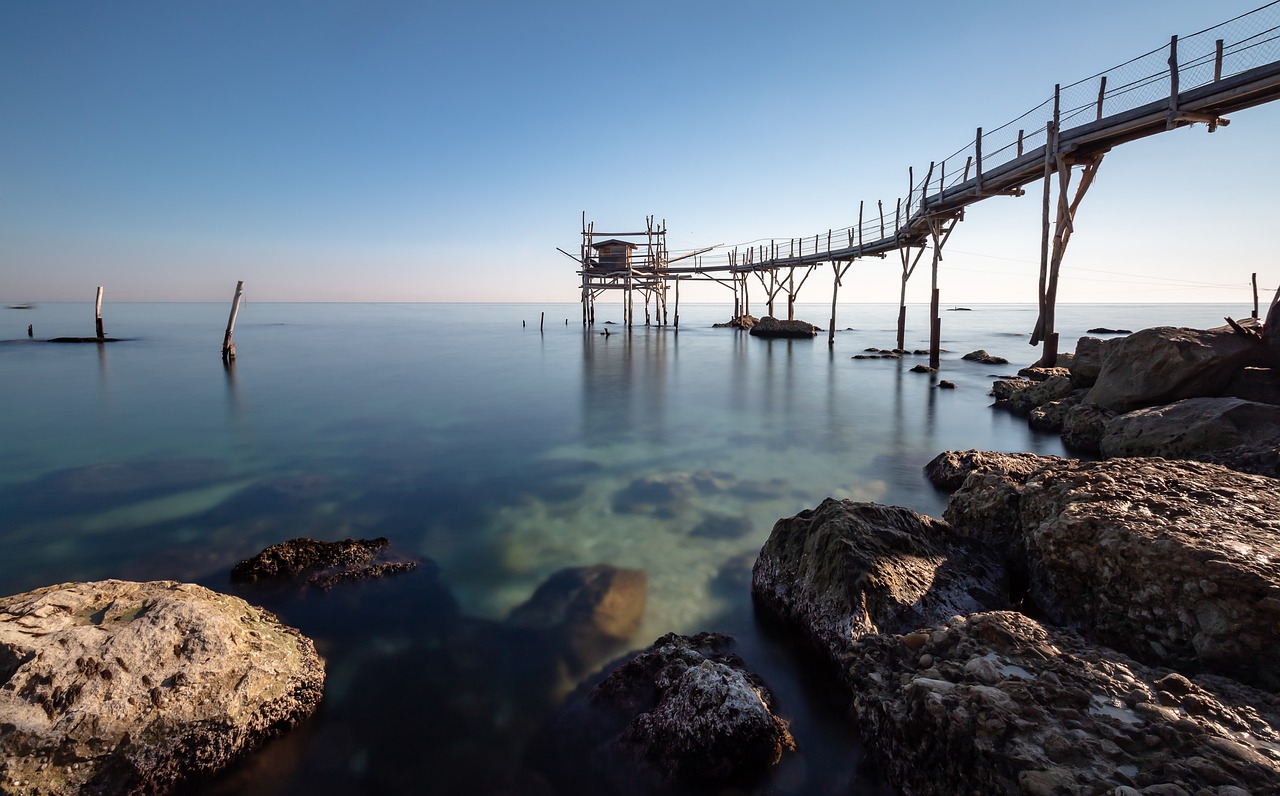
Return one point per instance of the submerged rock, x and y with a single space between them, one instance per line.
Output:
127 688
772 327
997 703
683 713
1176 563
590 611
1038 373
847 569
325 564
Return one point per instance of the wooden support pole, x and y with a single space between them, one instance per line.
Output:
1102 93
978 151
1173 81
97 314
1217 61
1020 143
835 287
677 317
859 226
1255 296
228 347
881 204
542 321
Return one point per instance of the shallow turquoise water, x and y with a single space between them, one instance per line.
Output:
500 452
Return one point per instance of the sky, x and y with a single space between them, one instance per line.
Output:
334 150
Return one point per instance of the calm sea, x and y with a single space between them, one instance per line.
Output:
499 451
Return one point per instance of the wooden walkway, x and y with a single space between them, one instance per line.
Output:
1197 79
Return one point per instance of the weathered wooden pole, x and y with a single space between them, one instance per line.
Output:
835 287
1255 296
935 318
677 315
228 347
97 314
542 320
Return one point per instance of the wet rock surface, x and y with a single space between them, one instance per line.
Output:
1024 395
847 569
128 688
741 322
321 564
998 703
1176 563
773 327
684 713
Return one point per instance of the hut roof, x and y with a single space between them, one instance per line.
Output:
614 242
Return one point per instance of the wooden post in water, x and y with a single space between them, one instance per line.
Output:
97 314
228 347
542 320
676 325
1255 296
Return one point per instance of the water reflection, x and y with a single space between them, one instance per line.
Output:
624 385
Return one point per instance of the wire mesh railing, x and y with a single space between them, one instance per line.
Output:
1227 49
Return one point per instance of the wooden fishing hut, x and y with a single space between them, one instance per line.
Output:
609 261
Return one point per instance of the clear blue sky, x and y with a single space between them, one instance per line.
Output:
412 151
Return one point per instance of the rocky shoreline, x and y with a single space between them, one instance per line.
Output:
1069 626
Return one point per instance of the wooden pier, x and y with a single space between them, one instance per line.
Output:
1197 79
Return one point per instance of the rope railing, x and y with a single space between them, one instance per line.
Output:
1227 49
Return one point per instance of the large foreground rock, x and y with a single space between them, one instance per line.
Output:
1190 428
1166 364
125 688
1176 563
999 704
846 569
683 713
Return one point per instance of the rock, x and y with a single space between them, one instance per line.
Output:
1166 364
1255 458
127 688
846 569
1023 397
1087 362
948 469
981 356
683 713
1037 373
923 369
1051 416
1005 389
1084 426
1172 562
772 327
1006 705
740 322
325 564
1191 427
1104 330
589 610
946 385
1255 384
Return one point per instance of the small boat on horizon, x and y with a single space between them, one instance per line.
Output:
22 306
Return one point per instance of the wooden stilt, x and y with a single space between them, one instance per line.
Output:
835 287
228 347
677 319
97 314
1255 291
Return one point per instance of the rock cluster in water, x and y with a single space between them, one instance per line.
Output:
1209 394
1155 596
320 564
127 688
769 326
